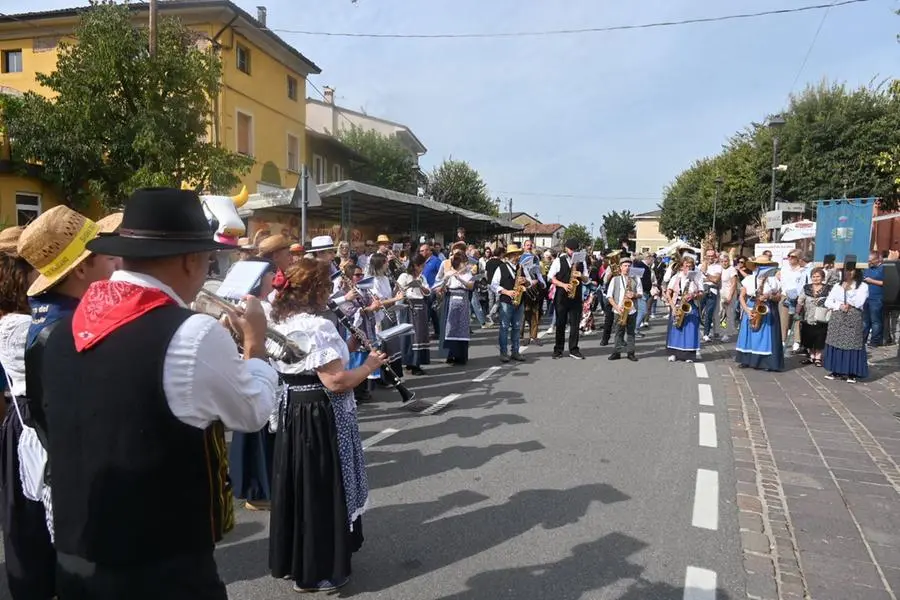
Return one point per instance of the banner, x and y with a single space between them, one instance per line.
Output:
844 227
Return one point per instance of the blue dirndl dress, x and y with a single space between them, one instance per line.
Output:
684 343
761 349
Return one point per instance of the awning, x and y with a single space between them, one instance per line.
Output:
677 246
352 203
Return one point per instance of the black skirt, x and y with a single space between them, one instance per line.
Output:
309 540
30 557
812 336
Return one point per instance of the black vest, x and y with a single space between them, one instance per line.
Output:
131 483
564 275
507 281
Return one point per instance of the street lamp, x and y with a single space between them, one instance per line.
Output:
719 182
775 123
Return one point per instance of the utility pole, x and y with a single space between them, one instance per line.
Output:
152 27
304 200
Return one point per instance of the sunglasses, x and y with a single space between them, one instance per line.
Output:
357 274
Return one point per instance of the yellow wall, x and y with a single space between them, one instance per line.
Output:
38 56
649 236
263 95
10 185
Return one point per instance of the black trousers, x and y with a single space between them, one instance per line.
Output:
607 323
623 345
188 577
568 312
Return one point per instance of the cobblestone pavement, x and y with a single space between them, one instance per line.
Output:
818 482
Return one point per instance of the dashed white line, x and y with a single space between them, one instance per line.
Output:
484 376
440 404
708 437
706 500
706 397
702 373
379 437
699 584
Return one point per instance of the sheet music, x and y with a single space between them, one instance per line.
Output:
637 272
242 277
578 257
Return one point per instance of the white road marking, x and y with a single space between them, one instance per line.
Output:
484 376
706 397
702 373
443 402
708 437
706 500
699 584
379 437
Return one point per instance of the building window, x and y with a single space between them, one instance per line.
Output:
12 61
244 134
243 58
337 173
645 249
318 169
293 151
292 87
28 207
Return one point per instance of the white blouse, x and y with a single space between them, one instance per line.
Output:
455 281
771 285
13 335
413 293
325 343
683 284
855 297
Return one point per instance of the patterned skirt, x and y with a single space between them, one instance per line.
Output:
455 330
319 485
416 348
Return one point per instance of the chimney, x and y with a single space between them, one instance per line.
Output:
261 15
329 94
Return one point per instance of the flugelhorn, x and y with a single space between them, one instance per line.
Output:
278 346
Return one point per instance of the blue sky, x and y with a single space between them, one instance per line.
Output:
609 118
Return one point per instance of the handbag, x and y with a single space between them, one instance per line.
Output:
32 456
822 314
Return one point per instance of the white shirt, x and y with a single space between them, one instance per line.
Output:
855 297
713 270
683 284
413 293
556 265
326 344
729 276
793 280
454 281
13 336
619 284
771 285
204 379
495 280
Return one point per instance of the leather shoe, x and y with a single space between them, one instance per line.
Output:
615 356
632 357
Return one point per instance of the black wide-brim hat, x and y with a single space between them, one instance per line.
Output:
160 222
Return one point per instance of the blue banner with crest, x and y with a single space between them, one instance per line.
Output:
844 227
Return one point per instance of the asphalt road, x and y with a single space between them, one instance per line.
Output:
551 479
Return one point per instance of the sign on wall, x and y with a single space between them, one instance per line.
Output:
844 227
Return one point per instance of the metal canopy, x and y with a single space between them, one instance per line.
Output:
355 203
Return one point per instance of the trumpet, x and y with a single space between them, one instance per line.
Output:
278 346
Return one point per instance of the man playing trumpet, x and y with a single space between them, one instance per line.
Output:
624 290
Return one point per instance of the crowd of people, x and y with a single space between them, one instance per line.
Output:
120 394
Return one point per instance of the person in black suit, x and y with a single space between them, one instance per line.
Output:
568 310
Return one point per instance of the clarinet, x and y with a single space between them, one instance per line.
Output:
391 377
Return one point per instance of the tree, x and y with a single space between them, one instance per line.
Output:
118 118
618 227
578 232
387 163
454 182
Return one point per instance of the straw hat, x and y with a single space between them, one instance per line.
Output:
513 249
759 261
110 223
273 244
244 244
9 238
383 239
54 244
297 248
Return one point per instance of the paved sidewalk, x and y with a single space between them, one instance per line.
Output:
818 481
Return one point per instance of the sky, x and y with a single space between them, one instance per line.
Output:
573 126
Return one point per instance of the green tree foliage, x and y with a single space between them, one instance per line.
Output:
456 183
618 227
120 119
387 163
836 142
578 232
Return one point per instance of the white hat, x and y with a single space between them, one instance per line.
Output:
320 243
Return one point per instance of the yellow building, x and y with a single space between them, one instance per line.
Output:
260 112
647 236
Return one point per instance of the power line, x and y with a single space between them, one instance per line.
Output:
577 196
811 46
553 32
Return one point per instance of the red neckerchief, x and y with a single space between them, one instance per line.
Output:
107 305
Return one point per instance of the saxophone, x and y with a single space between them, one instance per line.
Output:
519 289
760 308
574 282
627 303
681 311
